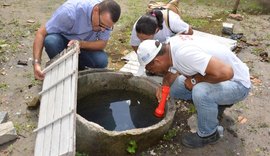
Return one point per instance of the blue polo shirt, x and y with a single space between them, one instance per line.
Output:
73 21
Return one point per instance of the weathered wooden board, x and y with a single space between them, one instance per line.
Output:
56 126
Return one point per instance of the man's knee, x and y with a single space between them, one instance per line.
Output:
93 59
101 60
200 92
54 44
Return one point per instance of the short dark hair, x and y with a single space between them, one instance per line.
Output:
149 22
112 7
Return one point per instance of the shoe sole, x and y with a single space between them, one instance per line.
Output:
212 143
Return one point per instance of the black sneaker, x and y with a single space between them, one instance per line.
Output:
221 109
193 140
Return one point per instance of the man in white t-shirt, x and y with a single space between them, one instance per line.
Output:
161 33
211 75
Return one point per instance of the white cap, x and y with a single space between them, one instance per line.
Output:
147 51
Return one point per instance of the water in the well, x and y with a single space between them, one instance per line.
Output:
118 110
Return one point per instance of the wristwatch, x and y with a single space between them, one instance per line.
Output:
36 61
193 80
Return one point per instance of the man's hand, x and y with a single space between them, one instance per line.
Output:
159 94
37 71
71 42
188 83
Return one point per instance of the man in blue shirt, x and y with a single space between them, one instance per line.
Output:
89 22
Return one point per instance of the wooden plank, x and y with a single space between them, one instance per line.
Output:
74 99
50 111
56 127
60 60
65 131
42 118
56 83
55 119
58 110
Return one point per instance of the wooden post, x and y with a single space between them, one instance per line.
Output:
235 6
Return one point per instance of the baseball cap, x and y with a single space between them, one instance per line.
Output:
147 51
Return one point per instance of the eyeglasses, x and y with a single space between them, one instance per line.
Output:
102 25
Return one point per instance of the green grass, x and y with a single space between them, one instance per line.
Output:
34 27
211 25
22 127
257 51
248 6
10 149
119 40
80 154
240 105
192 109
35 82
170 134
3 86
196 23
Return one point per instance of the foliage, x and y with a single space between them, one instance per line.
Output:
192 109
249 6
132 147
27 127
3 86
197 23
80 154
170 134
257 51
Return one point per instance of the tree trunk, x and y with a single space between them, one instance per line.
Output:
235 6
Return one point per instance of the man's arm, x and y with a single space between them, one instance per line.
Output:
190 31
37 52
168 80
93 45
216 71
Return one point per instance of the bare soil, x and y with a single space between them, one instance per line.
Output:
247 124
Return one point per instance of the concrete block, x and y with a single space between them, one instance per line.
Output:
7 132
192 123
227 28
3 117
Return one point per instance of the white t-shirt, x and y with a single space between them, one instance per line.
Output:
177 25
191 55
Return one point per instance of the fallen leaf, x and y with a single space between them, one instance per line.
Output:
5 5
3 73
242 119
252 43
218 20
255 80
30 21
4 45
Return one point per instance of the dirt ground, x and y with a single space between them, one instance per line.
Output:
247 124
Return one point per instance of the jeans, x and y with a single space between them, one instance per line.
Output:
56 43
206 98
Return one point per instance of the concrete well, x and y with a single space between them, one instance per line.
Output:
93 139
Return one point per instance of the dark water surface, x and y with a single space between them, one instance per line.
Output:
118 110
